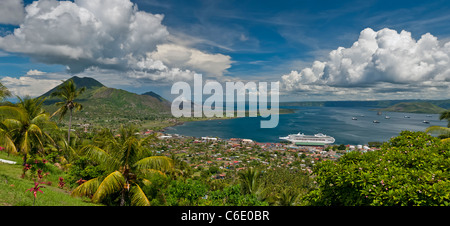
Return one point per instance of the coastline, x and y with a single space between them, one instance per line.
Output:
180 121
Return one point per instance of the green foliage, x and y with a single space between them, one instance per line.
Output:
22 127
232 196
411 170
185 193
83 168
104 106
285 187
376 144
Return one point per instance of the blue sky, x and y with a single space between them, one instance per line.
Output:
286 41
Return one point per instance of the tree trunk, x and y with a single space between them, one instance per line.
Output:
122 198
70 125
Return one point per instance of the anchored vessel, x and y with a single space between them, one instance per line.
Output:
302 139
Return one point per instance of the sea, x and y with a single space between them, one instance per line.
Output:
348 125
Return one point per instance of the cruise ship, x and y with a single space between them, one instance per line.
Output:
302 139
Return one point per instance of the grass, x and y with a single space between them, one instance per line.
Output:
13 188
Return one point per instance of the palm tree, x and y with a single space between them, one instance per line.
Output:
443 131
130 164
68 92
251 181
23 126
445 115
4 92
5 138
287 197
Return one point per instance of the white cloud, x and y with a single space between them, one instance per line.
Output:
377 58
105 34
11 12
32 85
35 72
183 57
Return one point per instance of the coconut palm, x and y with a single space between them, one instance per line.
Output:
250 181
443 131
68 92
5 138
129 163
23 126
445 115
287 197
4 92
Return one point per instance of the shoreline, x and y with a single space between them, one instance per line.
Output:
195 119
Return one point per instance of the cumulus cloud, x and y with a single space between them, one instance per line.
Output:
35 72
104 34
377 58
11 12
180 56
34 84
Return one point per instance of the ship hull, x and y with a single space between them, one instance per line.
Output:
316 140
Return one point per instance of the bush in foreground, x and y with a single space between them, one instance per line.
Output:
411 170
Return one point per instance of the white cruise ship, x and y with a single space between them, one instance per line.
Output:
302 139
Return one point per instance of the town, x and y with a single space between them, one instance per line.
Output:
222 158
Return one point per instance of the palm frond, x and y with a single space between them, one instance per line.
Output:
35 130
13 112
149 172
445 115
77 106
138 197
88 188
24 143
12 124
62 111
112 183
7 142
438 129
130 151
161 163
147 139
40 119
146 182
99 155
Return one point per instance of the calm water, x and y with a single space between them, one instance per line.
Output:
332 121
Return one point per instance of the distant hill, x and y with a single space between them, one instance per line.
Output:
107 106
445 104
155 95
414 107
87 82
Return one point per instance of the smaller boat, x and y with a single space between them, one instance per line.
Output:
354 118
387 117
376 121
407 116
427 122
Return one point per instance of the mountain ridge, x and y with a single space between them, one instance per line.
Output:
104 105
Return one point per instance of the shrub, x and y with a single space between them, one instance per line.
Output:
84 169
411 169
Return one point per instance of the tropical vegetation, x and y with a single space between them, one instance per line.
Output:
444 132
125 166
68 92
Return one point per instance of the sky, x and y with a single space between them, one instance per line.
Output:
316 50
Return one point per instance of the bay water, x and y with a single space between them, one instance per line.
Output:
348 125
